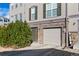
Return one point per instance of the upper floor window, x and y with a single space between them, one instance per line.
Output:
12 7
51 10
78 6
33 13
20 4
20 16
16 17
12 16
16 5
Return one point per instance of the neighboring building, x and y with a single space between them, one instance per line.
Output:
4 21
49 22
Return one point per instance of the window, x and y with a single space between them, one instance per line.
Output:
16 17
11 16
20 16
33 13
16 5
51 10
78 6
6 20
12 7
20 4
1 20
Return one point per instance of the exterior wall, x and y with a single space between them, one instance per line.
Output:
56 23
18 10
39 10
73 10
40 23
73 25
73 17
24 9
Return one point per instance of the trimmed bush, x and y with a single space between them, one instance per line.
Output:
16 35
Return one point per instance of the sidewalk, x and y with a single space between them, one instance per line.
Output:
72 50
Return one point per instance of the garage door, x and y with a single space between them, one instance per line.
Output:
52 36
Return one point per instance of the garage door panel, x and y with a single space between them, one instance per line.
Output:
52 36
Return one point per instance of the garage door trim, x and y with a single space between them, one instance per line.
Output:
60 32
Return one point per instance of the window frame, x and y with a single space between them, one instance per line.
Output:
20 15
30 13
16 5
12 7
51 10
16 17
78 7
58 10
20 4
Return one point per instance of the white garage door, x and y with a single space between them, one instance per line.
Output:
52 36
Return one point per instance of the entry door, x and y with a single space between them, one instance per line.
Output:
34 34
52 36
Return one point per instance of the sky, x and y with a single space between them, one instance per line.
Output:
4 9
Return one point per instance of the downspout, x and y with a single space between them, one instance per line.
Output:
66 31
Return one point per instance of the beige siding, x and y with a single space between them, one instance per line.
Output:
72 8
17 11
24 9
73 25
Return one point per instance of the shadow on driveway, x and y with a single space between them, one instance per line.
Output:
38 52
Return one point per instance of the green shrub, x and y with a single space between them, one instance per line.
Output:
16 35
2 35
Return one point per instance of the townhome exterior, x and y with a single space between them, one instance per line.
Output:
4 21
73 18
54 24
